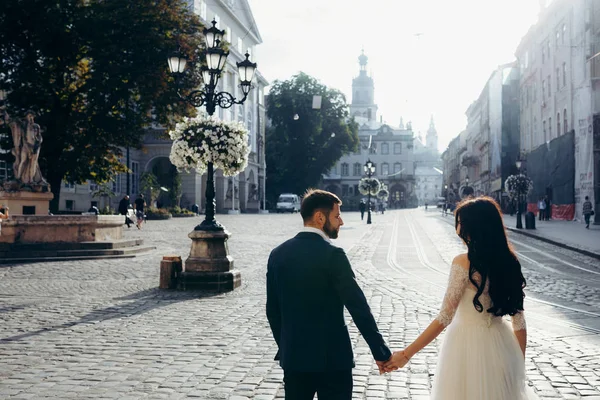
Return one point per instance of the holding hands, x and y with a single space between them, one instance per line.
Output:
398 360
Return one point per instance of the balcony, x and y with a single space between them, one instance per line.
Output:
470 161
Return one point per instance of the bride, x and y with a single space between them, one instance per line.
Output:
481 356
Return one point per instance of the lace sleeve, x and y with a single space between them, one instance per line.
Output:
457 282
518 321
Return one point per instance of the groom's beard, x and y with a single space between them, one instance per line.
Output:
330 231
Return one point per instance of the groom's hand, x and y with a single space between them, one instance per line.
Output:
398 360
381 365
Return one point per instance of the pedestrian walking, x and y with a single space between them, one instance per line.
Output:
362 207
309 282
542 209
587 211
547 210
124 210
139 205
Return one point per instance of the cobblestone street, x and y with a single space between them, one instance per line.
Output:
101 329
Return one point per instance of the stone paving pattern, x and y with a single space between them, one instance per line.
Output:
101 329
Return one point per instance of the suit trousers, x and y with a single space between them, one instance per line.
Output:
331 385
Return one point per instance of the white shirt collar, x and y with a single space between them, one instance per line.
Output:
317 231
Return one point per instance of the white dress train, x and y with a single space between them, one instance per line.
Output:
480 358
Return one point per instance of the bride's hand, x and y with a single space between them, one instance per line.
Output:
398 360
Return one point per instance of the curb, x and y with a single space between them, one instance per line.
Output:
556 243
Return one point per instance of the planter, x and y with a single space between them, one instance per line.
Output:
155 217
183 215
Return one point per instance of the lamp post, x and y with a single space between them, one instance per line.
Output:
369 170
518 164
467 190
209 264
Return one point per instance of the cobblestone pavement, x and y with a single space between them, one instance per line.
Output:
101 329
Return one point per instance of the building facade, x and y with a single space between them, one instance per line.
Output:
556 102
390 148
244 192
429 181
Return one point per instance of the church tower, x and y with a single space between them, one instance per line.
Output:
363 93
432 136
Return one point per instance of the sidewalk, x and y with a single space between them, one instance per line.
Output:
568 234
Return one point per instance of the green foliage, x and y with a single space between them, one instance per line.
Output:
178 210
104 190
176 191
157 213
300 150
107 210
149 184
96 73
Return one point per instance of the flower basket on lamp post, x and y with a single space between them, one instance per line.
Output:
518 187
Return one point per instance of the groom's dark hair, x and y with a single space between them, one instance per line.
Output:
315 200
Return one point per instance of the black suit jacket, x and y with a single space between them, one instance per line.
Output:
309 281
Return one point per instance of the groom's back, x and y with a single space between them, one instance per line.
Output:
304 306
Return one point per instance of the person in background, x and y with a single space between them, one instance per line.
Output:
587 211
542 208
139 205
124 209
3 212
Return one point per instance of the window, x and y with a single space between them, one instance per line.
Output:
70 205
228 36
549 87
385 148
534 91
218 20
344 169
543 54
69 185
6 171
558 124
548 49
351 191
564 33
93 186
557 79
550 127
333 170
116 184
543 90
373 149
397 167
534 131
357 169
385 169
564 73
250 127
544 131
565 123
557 37
240 45
200 8
240 113
397 148
135 177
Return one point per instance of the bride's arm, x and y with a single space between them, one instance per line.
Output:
457 282
520 329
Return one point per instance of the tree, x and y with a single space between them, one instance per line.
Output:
176 191
300 150
95 71
149 184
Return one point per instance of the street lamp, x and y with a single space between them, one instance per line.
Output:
467 190
209 266
518 164
369 170
209 97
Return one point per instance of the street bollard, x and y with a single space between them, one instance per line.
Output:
170 271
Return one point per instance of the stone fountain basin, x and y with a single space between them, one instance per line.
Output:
61 228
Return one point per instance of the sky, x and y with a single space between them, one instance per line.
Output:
427 57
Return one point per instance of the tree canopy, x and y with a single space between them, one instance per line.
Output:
303 143
95 72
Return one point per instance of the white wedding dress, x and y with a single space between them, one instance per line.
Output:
480 358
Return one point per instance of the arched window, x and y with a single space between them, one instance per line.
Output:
344 169
385 148
397 148
558 124
397 167
566 121
385 169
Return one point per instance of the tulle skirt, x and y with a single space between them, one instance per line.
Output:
480 362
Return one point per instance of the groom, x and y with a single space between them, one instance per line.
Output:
309 281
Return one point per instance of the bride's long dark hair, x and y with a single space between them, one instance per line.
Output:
490 255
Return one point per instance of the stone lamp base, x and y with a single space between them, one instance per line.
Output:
209 265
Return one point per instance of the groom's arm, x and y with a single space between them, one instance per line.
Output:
273 310
347 288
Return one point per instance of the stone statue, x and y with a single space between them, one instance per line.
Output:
27 141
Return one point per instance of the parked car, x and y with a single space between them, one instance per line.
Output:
288 202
